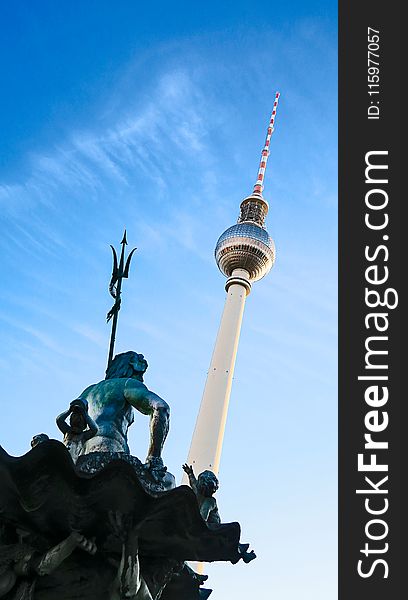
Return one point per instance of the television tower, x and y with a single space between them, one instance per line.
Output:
244 253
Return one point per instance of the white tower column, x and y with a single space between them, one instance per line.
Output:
206 444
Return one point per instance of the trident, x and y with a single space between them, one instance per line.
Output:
118 273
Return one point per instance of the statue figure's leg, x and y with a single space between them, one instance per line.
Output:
56 555
131 584
244 554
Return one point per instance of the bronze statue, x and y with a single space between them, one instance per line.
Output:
81 427
145 526
111 404
204 486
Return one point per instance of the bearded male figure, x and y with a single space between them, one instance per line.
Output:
111 404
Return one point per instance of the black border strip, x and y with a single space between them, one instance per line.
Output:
358 135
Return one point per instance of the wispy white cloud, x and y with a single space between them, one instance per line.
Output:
45 340
42 337
88 159
93 335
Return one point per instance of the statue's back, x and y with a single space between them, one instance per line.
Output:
112 414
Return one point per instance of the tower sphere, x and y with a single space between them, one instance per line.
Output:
247 245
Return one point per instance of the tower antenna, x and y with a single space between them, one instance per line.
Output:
258 187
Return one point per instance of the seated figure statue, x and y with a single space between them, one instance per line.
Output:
111 404
204 486
81 427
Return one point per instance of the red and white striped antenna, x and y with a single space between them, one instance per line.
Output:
258 187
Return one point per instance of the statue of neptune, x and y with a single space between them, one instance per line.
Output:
111 401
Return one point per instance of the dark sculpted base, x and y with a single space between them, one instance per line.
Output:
47 497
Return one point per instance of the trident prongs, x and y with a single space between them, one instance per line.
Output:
119 272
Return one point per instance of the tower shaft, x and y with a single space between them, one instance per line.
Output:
206 445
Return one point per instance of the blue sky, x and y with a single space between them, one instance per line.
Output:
114 115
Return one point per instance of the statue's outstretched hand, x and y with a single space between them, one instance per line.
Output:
188 469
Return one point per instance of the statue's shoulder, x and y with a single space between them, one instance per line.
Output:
107 383
131 383
106 387
87 390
